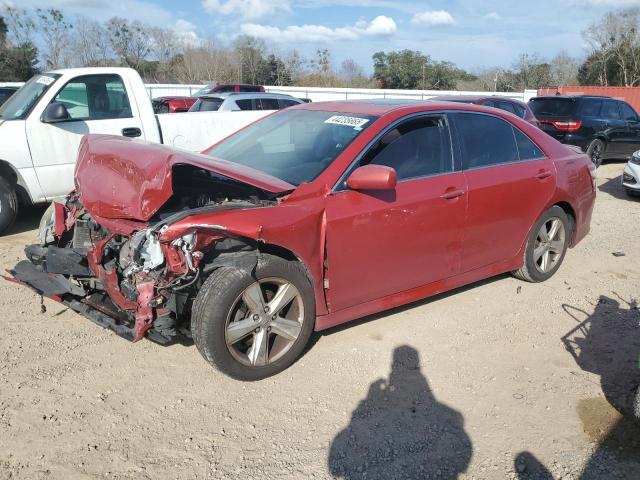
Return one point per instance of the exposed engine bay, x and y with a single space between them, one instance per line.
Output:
137 283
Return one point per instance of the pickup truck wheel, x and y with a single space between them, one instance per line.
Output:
251 327
8 204
546 246
595 151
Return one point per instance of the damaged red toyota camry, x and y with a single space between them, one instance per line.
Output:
306 219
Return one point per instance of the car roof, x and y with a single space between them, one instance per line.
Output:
473 98
379 107
574 97
247 95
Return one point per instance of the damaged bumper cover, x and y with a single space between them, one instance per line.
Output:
41 275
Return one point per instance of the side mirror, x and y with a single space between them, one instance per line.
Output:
373 177
55 112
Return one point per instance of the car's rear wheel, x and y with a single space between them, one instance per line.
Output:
546 246
595 151
8 204
251 327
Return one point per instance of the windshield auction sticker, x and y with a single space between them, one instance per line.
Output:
45 80
347 121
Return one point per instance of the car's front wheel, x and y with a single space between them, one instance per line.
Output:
595 151
253 326
546 246
8 204
632 192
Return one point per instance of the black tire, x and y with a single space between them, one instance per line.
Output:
632 193
216 299
595 151
529 272
8 204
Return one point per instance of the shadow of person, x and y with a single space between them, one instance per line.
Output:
401 431
607 343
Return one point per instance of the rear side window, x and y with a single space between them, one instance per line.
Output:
485 140
520 110
246 104
527 150
284 103
266 104
416 148
591 108
610 110
628 113
225 89
507 107
552 107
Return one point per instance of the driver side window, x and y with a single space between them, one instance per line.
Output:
415 148
95 97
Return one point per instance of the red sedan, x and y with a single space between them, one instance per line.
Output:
306 219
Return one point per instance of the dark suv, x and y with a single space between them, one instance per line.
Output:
603 127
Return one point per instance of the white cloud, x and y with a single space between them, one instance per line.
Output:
186 32
247 9
379 27
433 18
492 16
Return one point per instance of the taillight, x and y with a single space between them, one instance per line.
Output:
566 125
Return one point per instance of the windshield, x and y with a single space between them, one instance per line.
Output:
21 102
204 90
293 145
552 107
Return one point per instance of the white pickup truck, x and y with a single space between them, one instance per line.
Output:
42 124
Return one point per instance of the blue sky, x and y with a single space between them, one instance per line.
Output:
472 34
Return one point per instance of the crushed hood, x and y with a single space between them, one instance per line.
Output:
118 177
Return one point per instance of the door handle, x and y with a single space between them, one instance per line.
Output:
131 132
452 194
543 174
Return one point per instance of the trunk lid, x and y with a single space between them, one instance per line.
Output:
118 177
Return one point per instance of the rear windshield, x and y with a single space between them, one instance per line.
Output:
552 107
207 105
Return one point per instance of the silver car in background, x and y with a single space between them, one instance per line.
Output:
229 102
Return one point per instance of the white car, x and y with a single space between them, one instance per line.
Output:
631 176
235 102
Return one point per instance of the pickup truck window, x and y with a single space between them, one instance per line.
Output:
20 104
95 97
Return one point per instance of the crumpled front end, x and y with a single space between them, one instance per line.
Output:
128 281
129 284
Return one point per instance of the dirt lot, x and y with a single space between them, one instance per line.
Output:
477 382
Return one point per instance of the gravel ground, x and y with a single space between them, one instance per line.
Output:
477 383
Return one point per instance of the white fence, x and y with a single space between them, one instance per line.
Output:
319 94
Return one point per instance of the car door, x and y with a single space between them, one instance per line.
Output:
509 182
381 243
615 128
632 138
96 104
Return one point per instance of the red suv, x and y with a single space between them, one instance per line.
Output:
174 104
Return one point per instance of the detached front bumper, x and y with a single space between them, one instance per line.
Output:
40 275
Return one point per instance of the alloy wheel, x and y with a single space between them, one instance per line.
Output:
264 322
549 245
